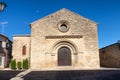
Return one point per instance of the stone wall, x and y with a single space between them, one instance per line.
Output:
18 43
81 38
110 56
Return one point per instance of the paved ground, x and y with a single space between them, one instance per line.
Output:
65 75
74 75
8 74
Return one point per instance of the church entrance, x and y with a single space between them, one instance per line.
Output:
64 56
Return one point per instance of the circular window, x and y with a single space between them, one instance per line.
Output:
63 26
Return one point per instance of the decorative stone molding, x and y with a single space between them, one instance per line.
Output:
63 36
61 43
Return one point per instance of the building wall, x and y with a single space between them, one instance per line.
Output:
2 61
110 56
5 51
18 43
81 38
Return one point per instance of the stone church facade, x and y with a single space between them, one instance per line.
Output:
62 40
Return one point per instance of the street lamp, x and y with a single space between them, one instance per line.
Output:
2 6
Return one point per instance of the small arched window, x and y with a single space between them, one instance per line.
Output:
24 50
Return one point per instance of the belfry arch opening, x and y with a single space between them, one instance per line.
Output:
64 56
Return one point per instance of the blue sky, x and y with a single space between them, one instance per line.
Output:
20 13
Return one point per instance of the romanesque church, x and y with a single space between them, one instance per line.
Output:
62 40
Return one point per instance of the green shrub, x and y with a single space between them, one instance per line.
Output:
13 64
25 64
19 65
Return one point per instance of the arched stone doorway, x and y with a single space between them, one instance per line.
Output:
64 56
70 47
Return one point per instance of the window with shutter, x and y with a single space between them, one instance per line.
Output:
24 50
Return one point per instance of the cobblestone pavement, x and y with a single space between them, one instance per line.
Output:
64 75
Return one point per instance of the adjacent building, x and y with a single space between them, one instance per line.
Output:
5 51
110 56
62 40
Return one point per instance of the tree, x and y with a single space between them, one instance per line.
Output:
25 63
19 65
13 64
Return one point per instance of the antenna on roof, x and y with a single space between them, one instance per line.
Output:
3 26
